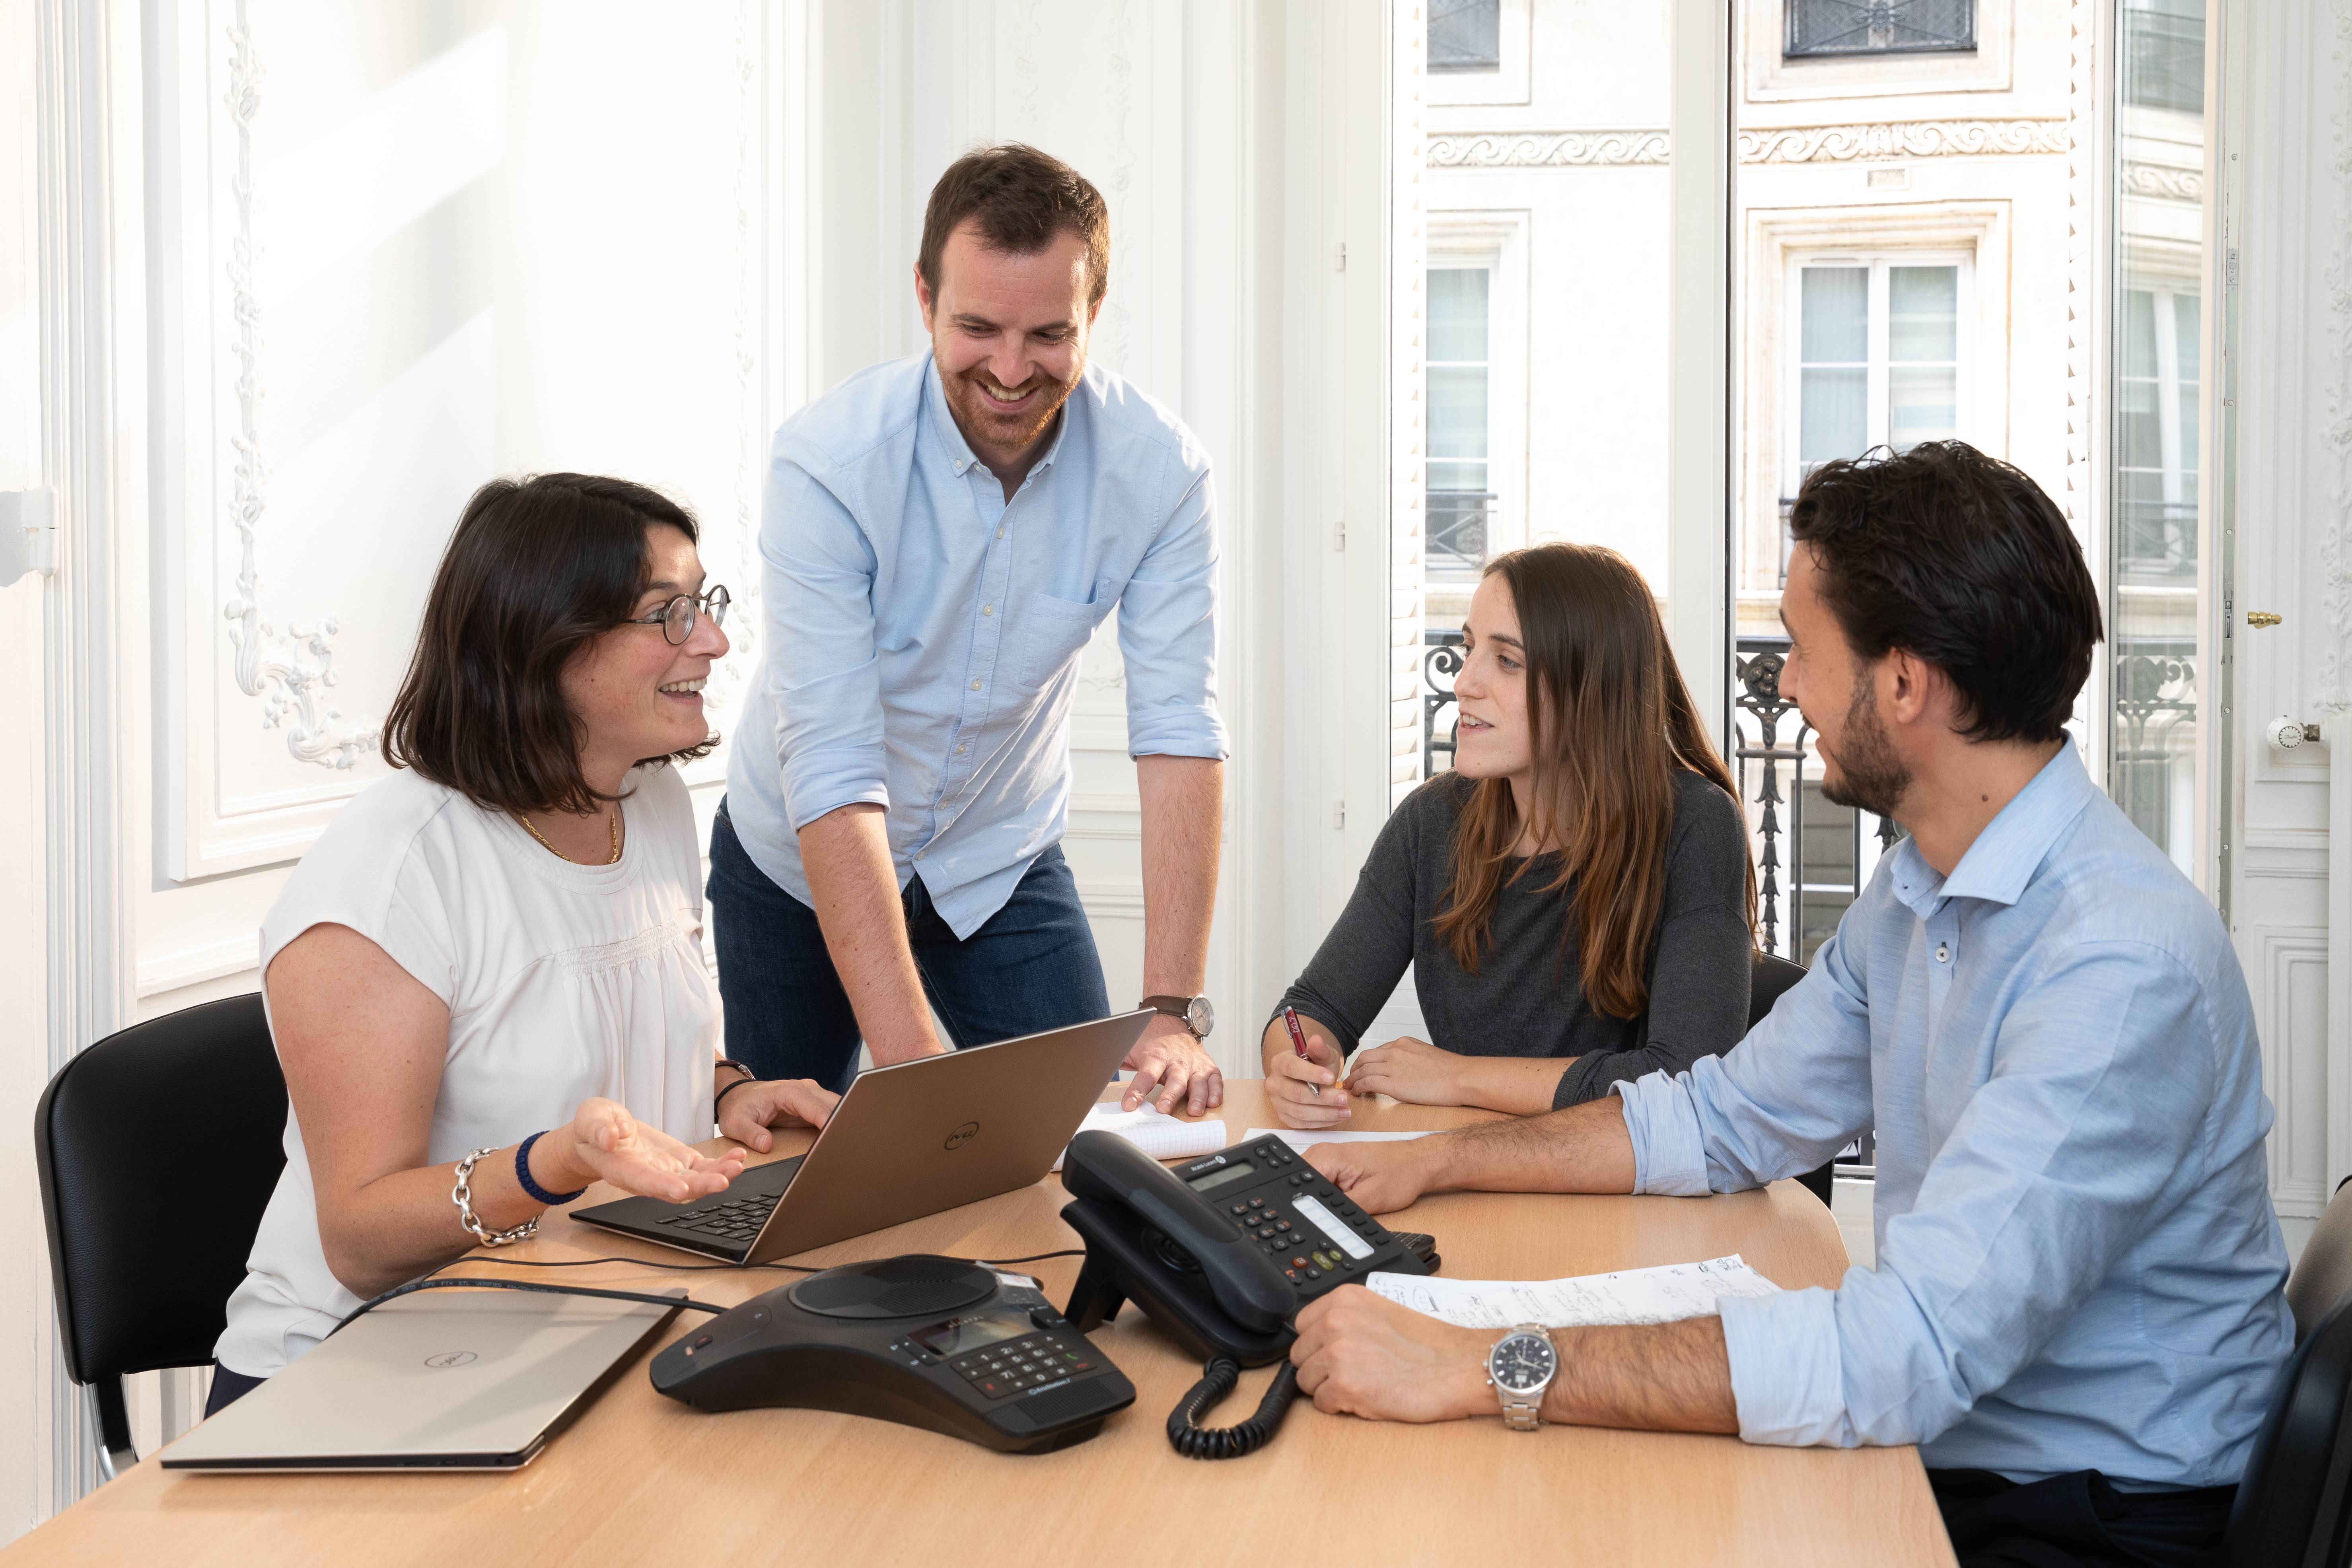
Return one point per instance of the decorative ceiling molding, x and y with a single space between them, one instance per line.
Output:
2165 181
1909 139
1545 148
290 670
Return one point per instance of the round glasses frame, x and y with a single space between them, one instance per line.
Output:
676 619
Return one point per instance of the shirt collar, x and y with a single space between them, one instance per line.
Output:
958 451
2013 845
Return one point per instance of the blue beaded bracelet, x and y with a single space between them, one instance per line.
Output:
522 1175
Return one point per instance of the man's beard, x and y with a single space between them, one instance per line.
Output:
1870 776
1016 431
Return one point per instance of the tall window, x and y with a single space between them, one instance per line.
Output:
1461 495
2154 627
1878 360
1879 27
1465 35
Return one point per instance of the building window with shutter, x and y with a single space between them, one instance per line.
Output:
1824 27
1465 35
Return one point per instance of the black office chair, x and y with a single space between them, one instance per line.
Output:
1769 979
158 1149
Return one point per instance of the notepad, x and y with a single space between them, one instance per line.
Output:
1160 1136
1663 1295
1304 1140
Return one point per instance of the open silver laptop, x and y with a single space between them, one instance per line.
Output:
905 1142
443 1380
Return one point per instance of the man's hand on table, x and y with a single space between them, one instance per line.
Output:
746 1114
1381 1178
1362 1354
1170 1066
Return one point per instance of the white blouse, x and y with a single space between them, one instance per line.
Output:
562 982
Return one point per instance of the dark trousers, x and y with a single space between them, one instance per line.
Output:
2078 1520
1031 967
228 1387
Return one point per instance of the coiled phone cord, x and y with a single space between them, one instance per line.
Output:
1217 1380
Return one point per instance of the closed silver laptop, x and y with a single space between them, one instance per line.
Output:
441 1380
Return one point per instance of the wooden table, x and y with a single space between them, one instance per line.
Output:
641 1479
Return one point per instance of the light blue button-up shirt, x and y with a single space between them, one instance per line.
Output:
921 633
2078 1263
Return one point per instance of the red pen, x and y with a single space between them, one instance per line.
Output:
1298 1043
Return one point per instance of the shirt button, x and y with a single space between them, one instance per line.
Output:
1943 952
975 686
988 609
999 533
960 748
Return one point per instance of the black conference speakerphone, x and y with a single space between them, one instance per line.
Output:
938 1343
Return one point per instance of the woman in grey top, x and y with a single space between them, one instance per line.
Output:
1575 898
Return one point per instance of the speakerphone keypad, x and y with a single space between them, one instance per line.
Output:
1017 1366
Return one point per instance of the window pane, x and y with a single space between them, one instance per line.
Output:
2164 55
1922 404
1457 413
1923 313
1879 27
1457 313
1836 314
1835 422
1465 35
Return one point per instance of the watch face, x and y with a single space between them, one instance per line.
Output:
1199 1016
1523 1362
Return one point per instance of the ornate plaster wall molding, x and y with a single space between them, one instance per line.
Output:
1910 139
288 671
2164 181
2335 538
1545 148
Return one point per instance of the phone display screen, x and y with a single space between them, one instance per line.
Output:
1224 1178
957 1335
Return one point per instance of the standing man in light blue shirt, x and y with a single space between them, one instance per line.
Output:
942 535
2076 1312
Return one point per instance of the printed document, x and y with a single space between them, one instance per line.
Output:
1161 1137
1664 1295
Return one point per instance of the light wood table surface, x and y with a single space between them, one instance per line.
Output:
640 1478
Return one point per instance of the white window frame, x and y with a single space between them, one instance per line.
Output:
1497 241
1793 336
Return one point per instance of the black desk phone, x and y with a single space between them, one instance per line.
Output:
941 1343
1221 1252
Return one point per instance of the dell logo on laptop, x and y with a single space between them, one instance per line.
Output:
962 1135
450 1358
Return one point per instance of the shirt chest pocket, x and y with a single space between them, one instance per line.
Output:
1054 630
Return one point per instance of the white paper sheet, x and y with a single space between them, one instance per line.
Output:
1161 1137
1663 1295
1303 1140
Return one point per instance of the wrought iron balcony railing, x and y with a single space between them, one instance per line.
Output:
1458 531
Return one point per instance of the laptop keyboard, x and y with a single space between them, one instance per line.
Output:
728 1219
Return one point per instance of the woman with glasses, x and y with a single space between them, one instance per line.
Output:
486 980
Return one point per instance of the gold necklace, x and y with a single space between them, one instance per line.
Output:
614 822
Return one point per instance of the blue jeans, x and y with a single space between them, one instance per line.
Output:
1031 967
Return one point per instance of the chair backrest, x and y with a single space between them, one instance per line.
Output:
158 1149
2291 1505
1769 979
2323 1275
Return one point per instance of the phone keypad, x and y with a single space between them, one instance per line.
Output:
1017 1366
1304 1253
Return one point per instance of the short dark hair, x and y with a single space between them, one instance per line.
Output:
536 569
1961 560
1021 198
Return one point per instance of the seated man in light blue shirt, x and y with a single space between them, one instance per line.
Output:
942 537
2077 1310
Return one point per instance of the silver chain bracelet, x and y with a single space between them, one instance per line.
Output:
462 1194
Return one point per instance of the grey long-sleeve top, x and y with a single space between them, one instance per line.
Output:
1526 999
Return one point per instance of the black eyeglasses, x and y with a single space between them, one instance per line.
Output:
676 618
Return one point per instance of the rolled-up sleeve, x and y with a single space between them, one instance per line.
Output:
817 618
1168 632
2042 1185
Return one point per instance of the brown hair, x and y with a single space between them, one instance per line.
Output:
536 569
1609 720
1020 198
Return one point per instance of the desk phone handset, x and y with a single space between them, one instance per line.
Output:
1221 1252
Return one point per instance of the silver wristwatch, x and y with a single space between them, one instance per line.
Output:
1521 1366
1194 1011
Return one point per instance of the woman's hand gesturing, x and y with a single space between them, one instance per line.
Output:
746 1114
603 1142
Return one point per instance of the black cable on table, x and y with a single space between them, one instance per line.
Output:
1217 1380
